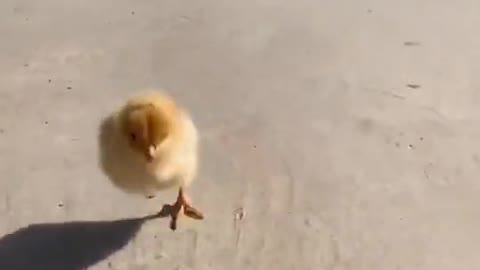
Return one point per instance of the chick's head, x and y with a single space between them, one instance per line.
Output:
146 128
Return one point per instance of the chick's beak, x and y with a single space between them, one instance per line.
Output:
150 153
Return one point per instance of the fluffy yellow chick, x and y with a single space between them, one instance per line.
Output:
165 141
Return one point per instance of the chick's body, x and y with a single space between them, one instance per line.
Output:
163 139
176 157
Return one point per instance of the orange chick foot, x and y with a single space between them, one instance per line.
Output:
183 207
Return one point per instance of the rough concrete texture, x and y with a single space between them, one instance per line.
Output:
346 130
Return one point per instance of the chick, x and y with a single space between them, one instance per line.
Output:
165 140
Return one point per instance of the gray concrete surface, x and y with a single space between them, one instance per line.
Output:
347 131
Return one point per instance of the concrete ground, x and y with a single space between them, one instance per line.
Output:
338 135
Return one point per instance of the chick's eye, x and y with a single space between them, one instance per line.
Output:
132 136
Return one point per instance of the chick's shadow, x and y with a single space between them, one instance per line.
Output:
66 246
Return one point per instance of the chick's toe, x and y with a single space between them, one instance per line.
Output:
180 206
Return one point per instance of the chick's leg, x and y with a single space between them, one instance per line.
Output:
188 210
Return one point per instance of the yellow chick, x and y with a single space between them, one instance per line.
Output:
164 141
